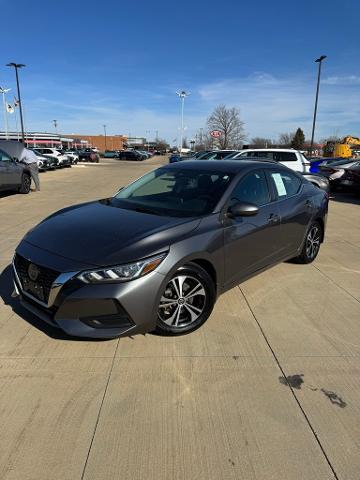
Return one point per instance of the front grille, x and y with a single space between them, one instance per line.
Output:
41 286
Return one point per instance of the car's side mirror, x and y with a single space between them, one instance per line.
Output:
242 209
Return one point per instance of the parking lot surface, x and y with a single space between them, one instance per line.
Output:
267 389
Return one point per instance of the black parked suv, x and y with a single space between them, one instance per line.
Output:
130 155
13 175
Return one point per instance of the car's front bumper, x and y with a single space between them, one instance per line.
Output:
97 310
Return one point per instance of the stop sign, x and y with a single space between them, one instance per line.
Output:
216 133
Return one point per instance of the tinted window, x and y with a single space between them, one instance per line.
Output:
174 192
285 156
252 188
286 184
4 157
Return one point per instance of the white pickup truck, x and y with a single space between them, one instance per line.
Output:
290 158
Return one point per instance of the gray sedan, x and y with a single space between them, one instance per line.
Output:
158 254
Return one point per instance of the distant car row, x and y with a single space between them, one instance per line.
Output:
131 154
290 158
51 158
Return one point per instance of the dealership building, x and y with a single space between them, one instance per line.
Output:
76 141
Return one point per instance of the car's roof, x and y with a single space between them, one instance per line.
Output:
268 150
227 166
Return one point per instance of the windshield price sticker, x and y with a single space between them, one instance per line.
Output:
280 187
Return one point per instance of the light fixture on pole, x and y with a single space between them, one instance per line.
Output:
55 122
4 91
319 61
16 66
105 136
182 95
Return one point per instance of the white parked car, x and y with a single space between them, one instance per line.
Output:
286 156
74 156
64 160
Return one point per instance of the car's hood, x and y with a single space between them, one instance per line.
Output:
98 234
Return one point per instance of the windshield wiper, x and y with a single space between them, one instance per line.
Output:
146 210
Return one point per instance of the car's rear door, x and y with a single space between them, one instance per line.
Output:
296 207
251 243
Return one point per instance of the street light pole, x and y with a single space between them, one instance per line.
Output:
4 91
55 125
16 66
319 61
182 95
147 133
105 136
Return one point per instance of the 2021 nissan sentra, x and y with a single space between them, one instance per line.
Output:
158 253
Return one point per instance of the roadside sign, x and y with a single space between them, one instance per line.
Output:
216 133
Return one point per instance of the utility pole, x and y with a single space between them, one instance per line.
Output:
16 66
319 61
105 136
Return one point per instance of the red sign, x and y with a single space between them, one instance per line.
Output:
216 133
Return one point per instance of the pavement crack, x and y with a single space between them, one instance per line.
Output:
285 377
333 281
100 409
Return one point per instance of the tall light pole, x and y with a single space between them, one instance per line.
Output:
55 122
4 91
105 136
319 61
16 66
147 135
182 95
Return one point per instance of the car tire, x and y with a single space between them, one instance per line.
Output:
186 302
25 186
311 245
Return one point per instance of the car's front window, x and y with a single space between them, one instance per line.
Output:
174 192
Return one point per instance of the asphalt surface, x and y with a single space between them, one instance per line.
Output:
267 389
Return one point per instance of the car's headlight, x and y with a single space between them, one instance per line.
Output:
122 273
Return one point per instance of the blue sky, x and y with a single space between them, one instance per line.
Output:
120 63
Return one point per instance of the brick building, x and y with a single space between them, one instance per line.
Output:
113 142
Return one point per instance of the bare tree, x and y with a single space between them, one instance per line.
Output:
285 139
227 121
260 142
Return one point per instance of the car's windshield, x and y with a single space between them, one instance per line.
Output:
174 192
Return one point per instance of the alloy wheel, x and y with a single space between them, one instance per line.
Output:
182 302
313 242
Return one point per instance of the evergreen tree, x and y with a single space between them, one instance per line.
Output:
298 140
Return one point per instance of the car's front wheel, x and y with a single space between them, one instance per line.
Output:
25 183
311 245
186 302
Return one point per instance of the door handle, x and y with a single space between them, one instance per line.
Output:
273 218
308 204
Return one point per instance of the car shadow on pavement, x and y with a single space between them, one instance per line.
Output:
6 289
7 194
345 197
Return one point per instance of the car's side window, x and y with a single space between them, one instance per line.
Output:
4 157
252 188
285 156
285 183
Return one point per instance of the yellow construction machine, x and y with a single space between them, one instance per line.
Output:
342 149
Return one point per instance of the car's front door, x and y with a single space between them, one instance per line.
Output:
295 207
10 172
251 243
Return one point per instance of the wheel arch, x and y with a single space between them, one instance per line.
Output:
322 224
207 266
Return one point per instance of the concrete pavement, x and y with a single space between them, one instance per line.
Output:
267 389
